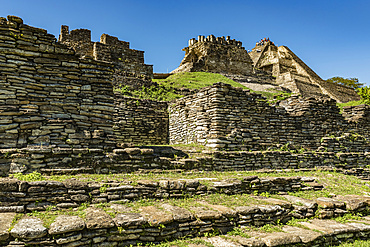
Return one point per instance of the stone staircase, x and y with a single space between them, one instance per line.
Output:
109 213
200 210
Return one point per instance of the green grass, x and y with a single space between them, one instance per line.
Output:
335 183
195 80
357 243
161 93
350 103
170 88
183 243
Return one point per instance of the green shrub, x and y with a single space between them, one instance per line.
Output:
364 93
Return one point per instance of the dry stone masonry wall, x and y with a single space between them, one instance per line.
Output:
20 196
221 116
142 122
165 222
48 96
54 103
219 55
109 49
52 97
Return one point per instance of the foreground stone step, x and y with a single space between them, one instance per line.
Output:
119 225
311 233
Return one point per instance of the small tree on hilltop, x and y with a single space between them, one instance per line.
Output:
364 92
349 82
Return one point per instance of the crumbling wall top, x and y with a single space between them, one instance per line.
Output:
78 35
114 41
213 39
109 49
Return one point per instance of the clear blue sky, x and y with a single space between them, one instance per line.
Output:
332 37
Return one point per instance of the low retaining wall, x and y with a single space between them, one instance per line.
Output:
287 160
21 196
156 224
72 161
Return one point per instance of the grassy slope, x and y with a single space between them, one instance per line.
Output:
167 89
196 80
351 103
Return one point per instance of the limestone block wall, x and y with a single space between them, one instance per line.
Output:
293 74
21 196
140 122
109 49
79 160
345 143
224 117
218 55
48 95
190 118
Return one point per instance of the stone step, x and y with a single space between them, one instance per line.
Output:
315 232
22 196
115 224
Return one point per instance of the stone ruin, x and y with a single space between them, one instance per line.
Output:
109 49
59 114
293 74
218 55
59 95
265 64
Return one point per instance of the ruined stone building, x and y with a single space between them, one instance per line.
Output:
265 64
59 95
293 74
218 55
109 49
60 114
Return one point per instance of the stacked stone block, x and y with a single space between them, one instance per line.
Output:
217 55
49 96
142 122
109 49
164 222
221 116
21 196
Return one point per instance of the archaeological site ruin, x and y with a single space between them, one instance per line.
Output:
60 115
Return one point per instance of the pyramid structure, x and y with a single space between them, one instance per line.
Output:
294 75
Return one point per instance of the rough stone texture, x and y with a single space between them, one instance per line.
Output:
220 242
72 161
307 236
230 118
29 228
98 218
294 75
156 217
218 55
48 96
281 238
129 219
128 227
109 49
54 94
66 223
61 195
141 122
5 223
